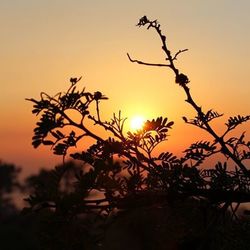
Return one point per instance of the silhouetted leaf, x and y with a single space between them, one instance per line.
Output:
236 120
36 143
48 142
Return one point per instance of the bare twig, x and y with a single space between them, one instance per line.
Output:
179 52
148 64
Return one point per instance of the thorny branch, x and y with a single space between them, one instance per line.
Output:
183 80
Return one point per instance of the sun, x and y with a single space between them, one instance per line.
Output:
137 122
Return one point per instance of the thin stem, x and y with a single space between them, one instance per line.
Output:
97 111
148 64
81 126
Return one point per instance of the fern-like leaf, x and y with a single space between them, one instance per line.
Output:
236 120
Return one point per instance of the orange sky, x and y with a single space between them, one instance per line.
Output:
44 43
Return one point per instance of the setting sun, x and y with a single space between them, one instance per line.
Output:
137 122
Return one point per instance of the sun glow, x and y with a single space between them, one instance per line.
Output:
137 122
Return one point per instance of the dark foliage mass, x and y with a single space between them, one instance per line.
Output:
120 176
12 224
8 184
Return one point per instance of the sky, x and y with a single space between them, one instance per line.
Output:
45 42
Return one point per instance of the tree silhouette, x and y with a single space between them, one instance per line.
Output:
9 183
16 231
121 172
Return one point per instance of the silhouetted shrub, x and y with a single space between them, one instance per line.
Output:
122 173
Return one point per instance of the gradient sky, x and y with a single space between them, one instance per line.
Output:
45 42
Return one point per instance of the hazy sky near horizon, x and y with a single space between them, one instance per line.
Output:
44 43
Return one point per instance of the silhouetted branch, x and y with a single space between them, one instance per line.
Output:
183 80
179 52
147 64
